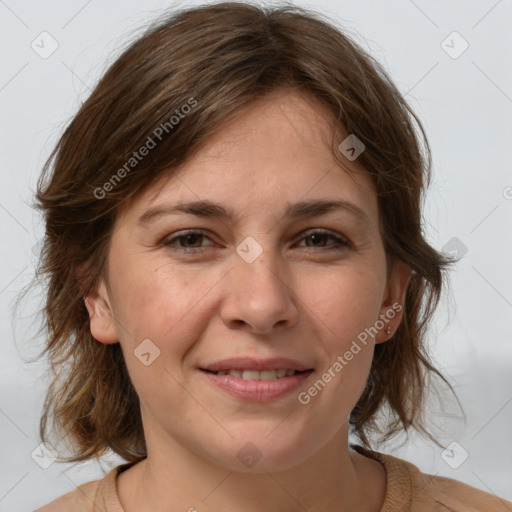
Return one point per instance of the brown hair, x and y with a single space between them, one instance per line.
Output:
217 59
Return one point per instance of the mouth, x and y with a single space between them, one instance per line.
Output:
246 374
262 366
257 380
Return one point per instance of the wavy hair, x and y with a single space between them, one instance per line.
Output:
217 59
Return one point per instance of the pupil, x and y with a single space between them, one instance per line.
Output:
315 237
193 237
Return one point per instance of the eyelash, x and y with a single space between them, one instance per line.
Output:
340 243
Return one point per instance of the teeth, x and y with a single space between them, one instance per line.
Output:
251 375
256 375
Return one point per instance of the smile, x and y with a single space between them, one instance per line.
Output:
256 375
257 386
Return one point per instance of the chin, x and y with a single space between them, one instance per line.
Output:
260 450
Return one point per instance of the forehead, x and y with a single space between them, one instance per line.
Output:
276 151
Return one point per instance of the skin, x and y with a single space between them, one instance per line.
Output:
299 299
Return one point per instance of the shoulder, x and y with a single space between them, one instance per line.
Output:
455 495
78 500
96 495
409 489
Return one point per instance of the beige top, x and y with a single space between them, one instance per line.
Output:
408 490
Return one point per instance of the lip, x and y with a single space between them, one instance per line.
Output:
257 390
247 363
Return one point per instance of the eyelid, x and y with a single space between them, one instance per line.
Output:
341 241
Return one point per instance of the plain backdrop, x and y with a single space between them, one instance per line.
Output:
451 60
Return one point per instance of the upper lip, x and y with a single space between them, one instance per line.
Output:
247 363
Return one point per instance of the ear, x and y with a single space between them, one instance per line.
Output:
102 323
392 308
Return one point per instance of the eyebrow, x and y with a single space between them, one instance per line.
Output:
209 209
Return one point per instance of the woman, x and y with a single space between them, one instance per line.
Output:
209 338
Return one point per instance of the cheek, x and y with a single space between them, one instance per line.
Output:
165 305
161 305
346 301
344 306
155 300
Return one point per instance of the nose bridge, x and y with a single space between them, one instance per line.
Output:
258 268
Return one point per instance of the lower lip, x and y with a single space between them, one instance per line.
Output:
258 390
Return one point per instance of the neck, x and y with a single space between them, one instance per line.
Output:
176 479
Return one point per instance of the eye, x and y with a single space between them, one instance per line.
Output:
191 237
194 237
317 235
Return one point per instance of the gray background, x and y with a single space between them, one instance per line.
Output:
465 102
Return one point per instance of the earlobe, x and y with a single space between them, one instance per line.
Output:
393 306
102 324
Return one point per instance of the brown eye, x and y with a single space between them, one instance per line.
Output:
188 241
319 237
193 238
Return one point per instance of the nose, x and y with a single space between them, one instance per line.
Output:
259 297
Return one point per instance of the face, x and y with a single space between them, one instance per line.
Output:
188 290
